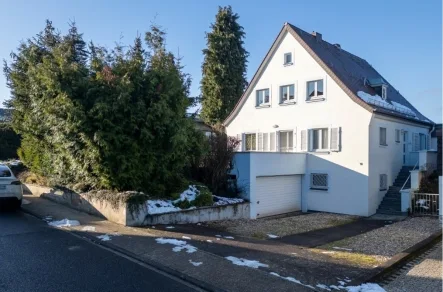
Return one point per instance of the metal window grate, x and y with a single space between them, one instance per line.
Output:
319 181
383 182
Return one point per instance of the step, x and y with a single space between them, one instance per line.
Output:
391 212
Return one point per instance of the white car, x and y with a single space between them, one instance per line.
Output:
11 190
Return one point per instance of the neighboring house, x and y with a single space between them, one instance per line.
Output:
202 126
322 130
436 144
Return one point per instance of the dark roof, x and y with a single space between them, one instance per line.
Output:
352 73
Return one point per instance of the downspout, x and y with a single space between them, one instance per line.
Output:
430 135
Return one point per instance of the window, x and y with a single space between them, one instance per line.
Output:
265 141
383 136
320 139
286 141
319 181
272 141
251 142
397 136
263 97
423 142
314 90
287 93
288 59
383 182
384 92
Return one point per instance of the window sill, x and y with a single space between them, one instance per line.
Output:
288 64
321 151
318 189
383 145
316 99
263 106
287 103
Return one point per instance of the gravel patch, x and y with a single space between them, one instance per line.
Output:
282 226
387 241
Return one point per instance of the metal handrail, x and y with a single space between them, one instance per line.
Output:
409 176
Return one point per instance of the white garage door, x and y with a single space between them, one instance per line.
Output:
278 194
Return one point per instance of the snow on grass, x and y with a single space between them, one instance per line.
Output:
186 237
170 227
334 287
228 237
196 264
88 228
342 283
104 237
165 206
323 286
64 223
221 201
179 244
368 287
245 262
210 241
272 236
342 248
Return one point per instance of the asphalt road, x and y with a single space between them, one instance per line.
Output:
36 257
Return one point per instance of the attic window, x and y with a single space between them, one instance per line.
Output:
384 92
287 59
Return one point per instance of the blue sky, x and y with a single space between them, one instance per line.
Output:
401 39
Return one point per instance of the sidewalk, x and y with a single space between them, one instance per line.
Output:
202 259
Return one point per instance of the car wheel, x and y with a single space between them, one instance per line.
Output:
18 204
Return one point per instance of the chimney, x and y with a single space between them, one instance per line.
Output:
317 35
337 46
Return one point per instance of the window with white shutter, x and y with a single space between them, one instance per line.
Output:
319 181
335 139
383 182
286 141
272 141
265 141
304 140
251 142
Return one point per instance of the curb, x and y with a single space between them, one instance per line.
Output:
201 284
400 258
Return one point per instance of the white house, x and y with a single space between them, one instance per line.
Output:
322 130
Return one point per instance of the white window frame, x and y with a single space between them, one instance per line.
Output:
397 133
316 97
386 136
288 101
384 92
380 186
319 188
264 104
291 149
256 141
284 59
320 141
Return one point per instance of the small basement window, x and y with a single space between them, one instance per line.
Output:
383 182
251 142
287 59
319 181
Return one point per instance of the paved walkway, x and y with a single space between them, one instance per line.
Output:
425 276
300 264
324 236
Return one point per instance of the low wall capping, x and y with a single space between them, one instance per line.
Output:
122 214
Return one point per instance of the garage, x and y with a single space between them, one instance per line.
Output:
277 194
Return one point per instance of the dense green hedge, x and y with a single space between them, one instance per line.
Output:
9 142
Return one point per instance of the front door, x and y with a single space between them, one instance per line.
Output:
405 148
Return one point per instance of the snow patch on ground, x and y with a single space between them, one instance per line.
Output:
64 223
218 235
323 286
196 264
245 262
88 228
104 237
221 201
179 244
272 236
210 241
170 227
342 248
25 202
368 287
186 237
292 279
228 237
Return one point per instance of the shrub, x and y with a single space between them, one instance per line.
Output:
9 142
204 198
429 184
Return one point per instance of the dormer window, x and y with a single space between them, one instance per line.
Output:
384 92
287 59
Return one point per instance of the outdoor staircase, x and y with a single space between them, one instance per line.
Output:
391 203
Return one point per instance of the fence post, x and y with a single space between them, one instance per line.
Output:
440 198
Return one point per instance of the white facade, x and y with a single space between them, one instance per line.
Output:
352 171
